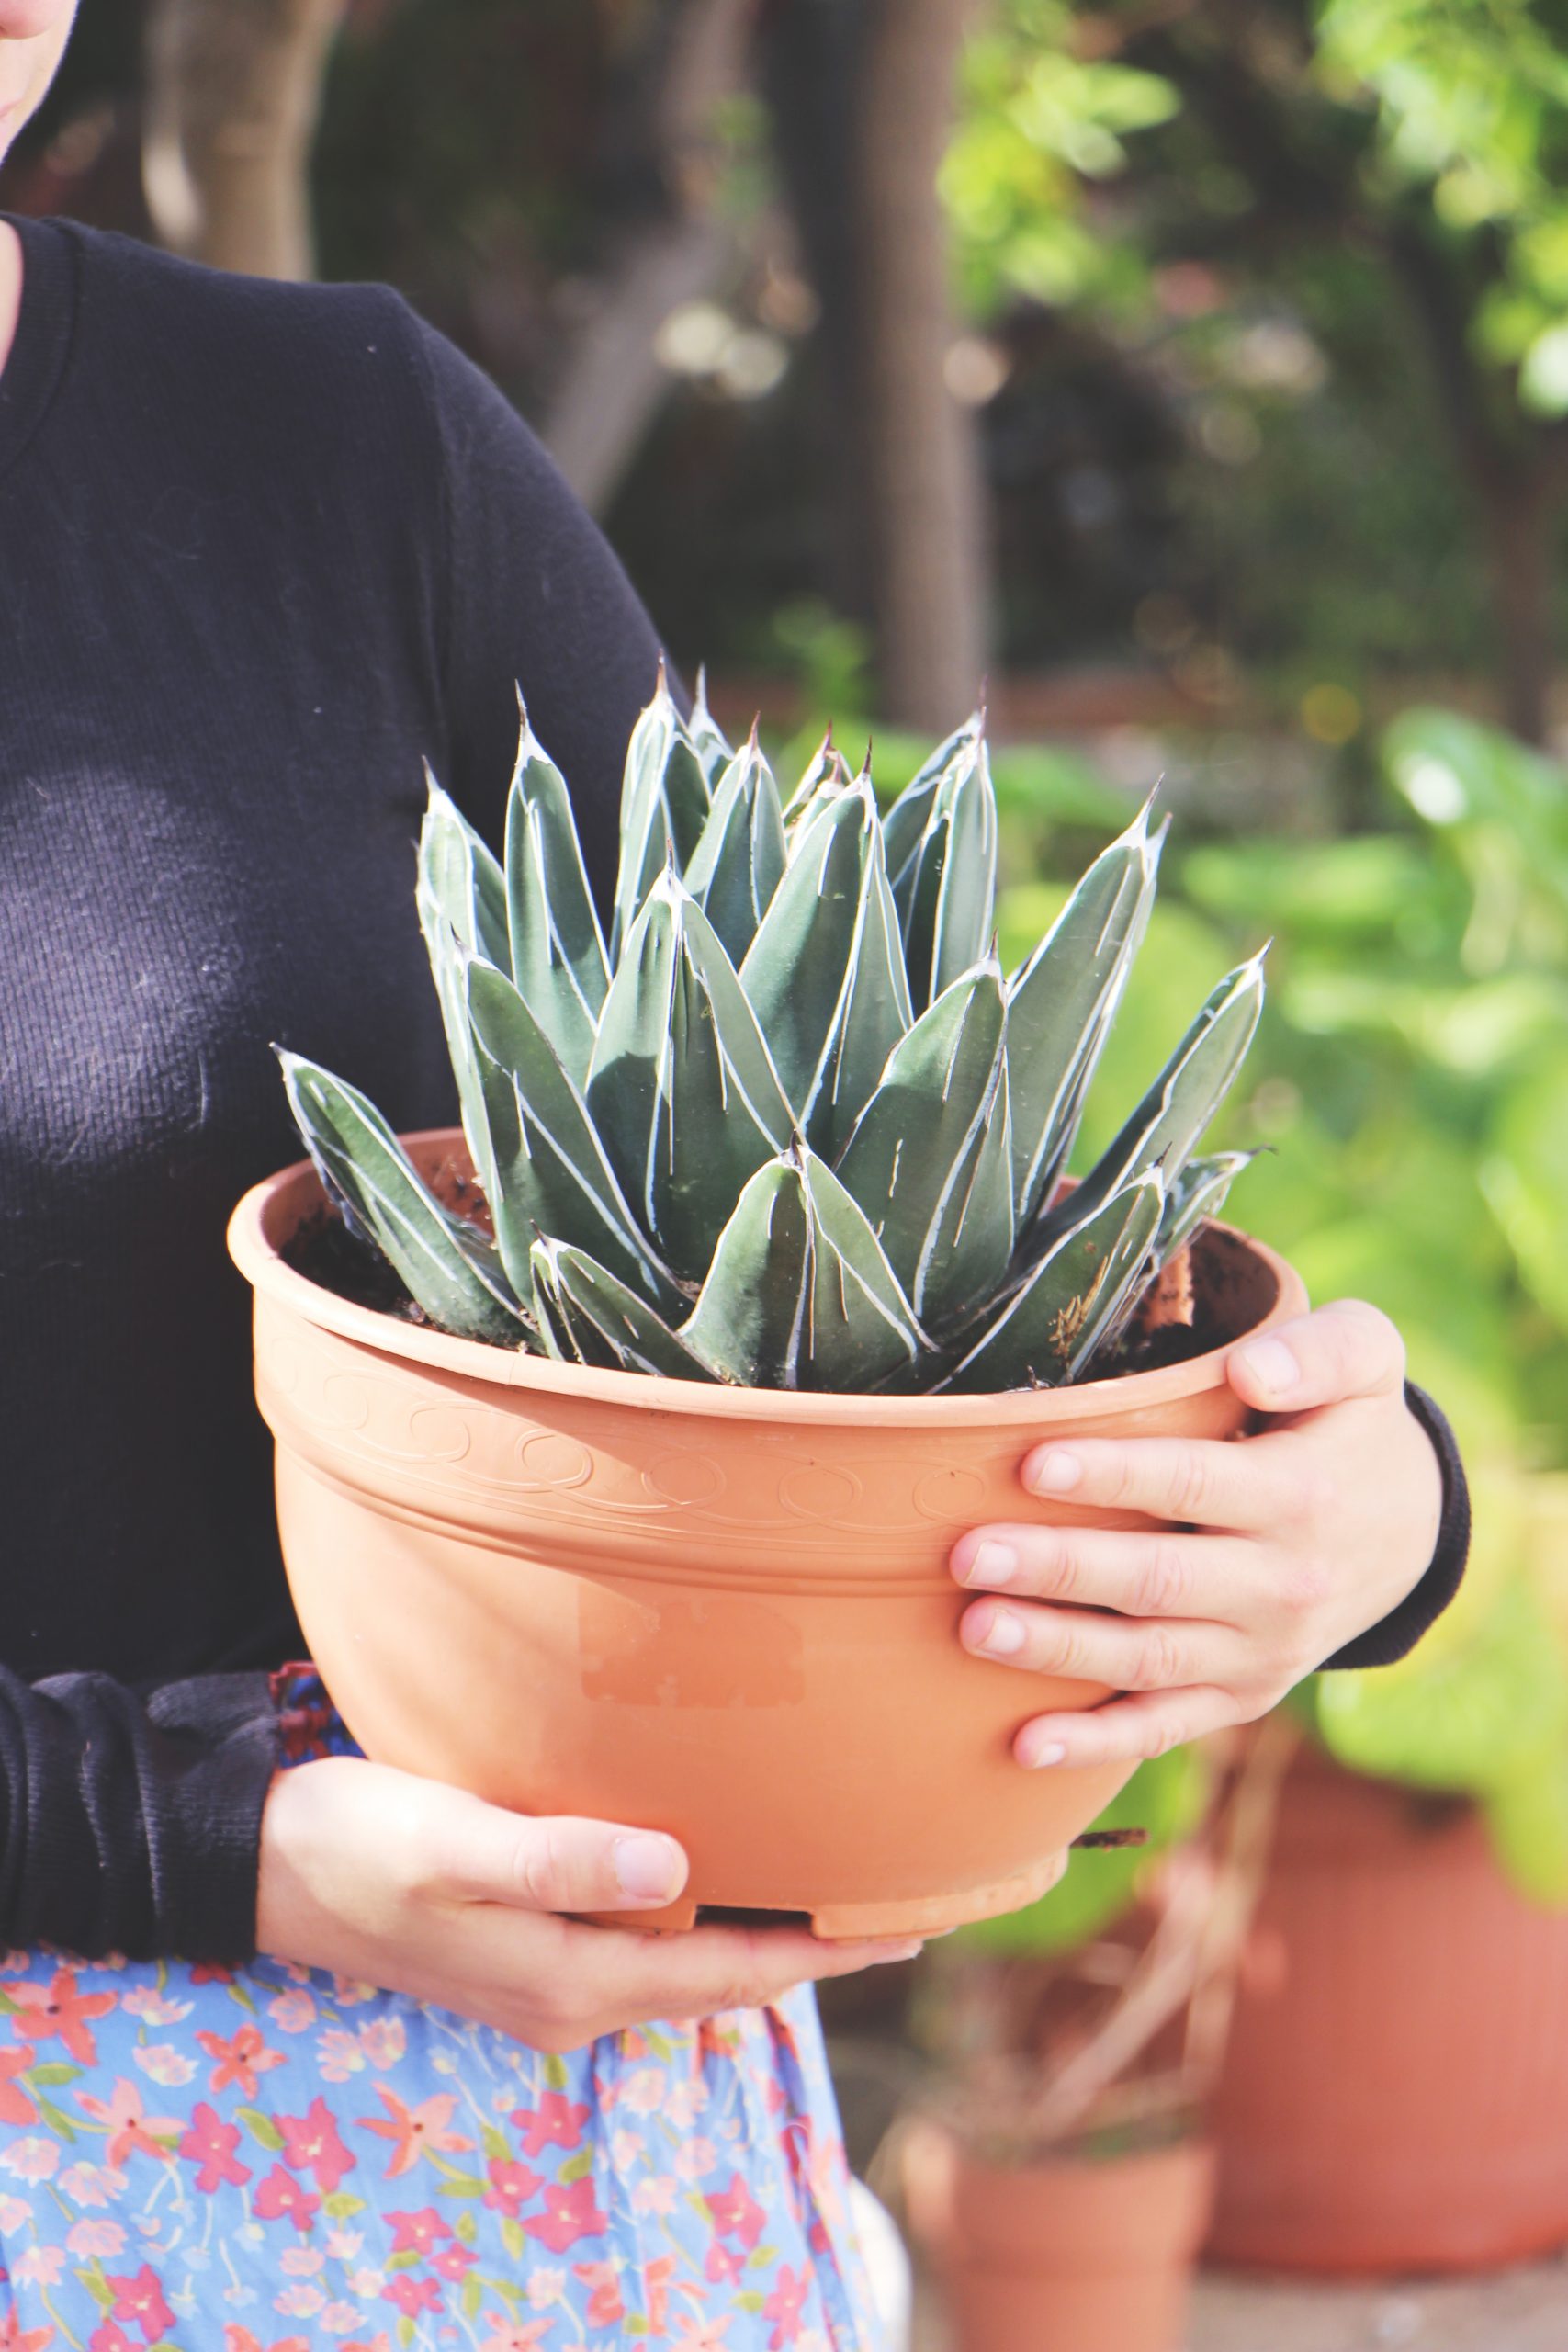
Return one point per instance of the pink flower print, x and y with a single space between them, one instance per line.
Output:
736 2212
656 2280
339 2054
300 2301
301 2261
556 2122
785 2304
515 2335
128 2126
139 2302
453 2262
685 2101
569 2214
385 2041
349 1992
89 2238
164 2065
240 2339
107 2337
281 2196
15 2106
695 2156
510 2185
239 2061
417 2232
15 2337
338 2318
412 2296
655 2194
145 2001
694 2335
544 2286
605 2308
40 2266
33 2158
14 2212
344 2245
413 2128
294 2011
209 1972
626 2147
644 2092
59 2008
723 2264
87 2184
313 2143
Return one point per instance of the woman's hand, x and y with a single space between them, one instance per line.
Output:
1290 1543
404 1883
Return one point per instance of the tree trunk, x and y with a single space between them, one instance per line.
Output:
1517 518
233 88
923 485
675 251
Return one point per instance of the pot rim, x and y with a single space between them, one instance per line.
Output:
269 1213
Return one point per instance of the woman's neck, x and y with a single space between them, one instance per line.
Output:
10 287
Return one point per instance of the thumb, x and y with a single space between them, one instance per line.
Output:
559 1863
1346 1351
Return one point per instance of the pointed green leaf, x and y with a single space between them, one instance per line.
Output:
825 974
945 889
740 859
586 1316
824 776
682 1089
557 953
1075 1299
664 804
1198 1193
448 961
449 1267
1173 1114
910 813
459 874
800 1293
708 740
1061 1004
553 1177
930 1158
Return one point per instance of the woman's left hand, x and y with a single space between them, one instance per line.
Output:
1288 1544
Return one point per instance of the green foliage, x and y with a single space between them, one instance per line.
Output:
1166 1798
791 1128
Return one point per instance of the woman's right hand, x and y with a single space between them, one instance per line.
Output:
404 1883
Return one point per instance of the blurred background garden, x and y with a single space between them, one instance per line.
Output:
1189 379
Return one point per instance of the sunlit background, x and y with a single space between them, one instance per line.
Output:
1196 376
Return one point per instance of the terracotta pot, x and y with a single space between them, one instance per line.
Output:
1077 2254
724 1613
1396 2096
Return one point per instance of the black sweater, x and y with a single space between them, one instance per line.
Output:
263 548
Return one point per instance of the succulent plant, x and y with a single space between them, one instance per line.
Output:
789 1125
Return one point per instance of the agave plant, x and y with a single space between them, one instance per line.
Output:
789 1126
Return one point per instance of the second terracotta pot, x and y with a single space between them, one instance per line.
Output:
1077 2254
1395 2093
724 1613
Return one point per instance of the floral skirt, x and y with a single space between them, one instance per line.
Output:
271 2159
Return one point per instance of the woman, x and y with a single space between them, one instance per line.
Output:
260 549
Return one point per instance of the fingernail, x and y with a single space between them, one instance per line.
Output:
647 1867
1002 1633
1056 1474
885 1955
1053 1752
994 1563
1272 1367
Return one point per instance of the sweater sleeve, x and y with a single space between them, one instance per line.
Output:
530 595
131 1821
1396 1635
